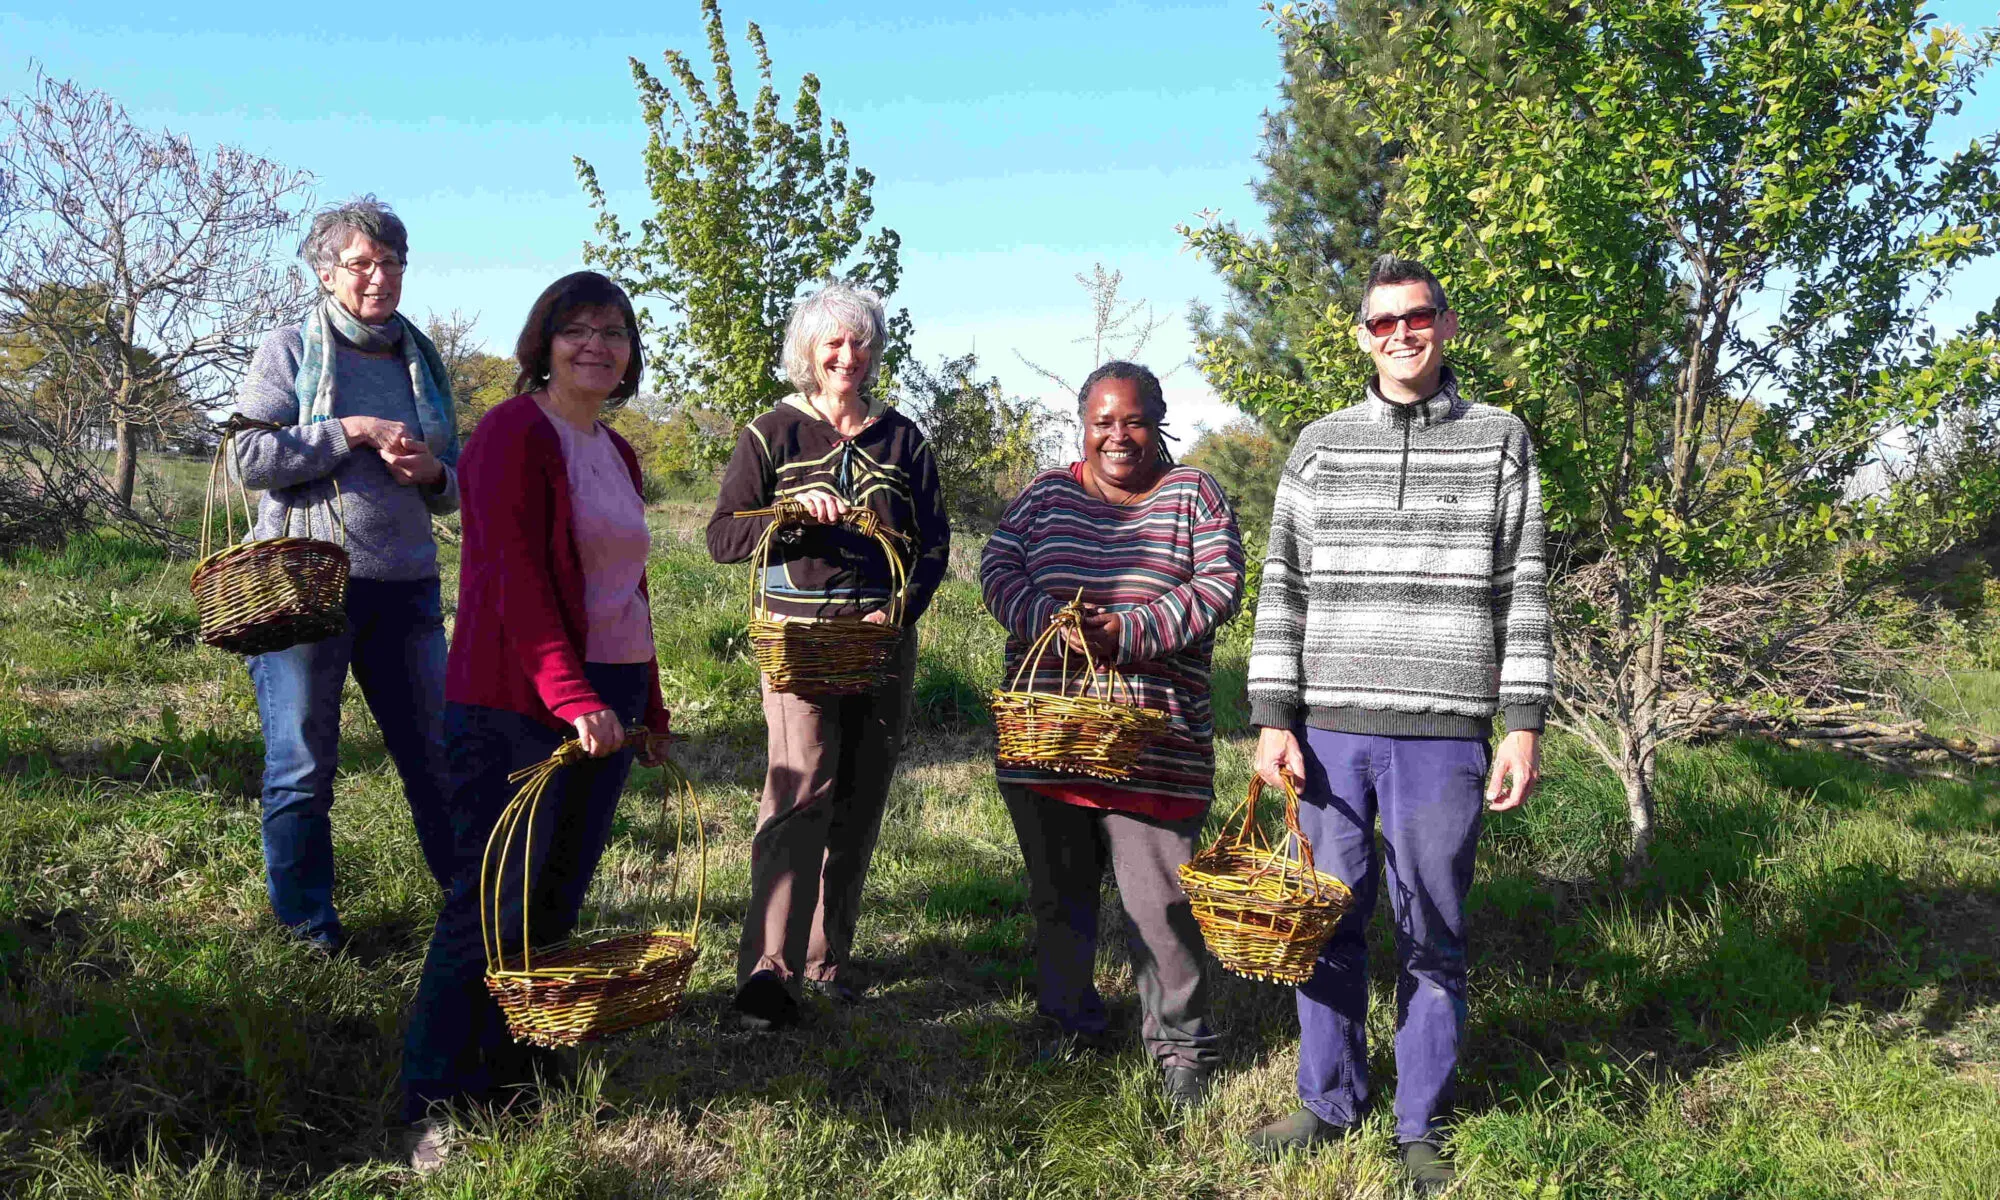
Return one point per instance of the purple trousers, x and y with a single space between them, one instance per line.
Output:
1429 794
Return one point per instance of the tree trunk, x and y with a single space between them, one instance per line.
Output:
1635 771
125 468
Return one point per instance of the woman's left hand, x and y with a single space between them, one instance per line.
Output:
879 617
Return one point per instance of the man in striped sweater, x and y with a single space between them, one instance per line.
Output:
1403 605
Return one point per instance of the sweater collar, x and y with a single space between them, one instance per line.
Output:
1441 405
876 407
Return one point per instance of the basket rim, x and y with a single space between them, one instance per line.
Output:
241 549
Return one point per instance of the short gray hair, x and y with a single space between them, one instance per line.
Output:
333 227
835 306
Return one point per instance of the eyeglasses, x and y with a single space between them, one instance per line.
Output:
362 268
1417 318
581 334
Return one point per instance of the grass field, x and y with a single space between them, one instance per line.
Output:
1801 1000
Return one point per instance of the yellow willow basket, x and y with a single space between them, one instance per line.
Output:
582 991
1085 732
1263 912
831 656
254 597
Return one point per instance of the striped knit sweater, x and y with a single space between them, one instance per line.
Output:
1171 568
1405 592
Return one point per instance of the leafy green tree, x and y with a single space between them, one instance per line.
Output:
748 210
1708 235
479 380
985 443
1326 182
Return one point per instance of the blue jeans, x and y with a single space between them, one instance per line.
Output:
395 644
1429 794
457 1048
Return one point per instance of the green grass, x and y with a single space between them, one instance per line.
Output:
1800 999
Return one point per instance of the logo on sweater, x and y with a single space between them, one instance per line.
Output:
1449 499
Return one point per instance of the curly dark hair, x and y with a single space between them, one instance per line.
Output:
1152 398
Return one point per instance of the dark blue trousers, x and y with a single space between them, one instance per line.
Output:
395 645
1429 794
457 1048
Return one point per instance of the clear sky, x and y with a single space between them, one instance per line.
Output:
1014 144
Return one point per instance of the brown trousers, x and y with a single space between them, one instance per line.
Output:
1066 848
831 761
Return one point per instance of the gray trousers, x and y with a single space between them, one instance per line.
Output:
1066 848
831 761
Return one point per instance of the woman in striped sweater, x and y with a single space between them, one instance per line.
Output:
1154 548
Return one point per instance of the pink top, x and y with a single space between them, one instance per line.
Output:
612 542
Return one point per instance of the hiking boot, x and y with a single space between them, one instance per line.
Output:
1425 1168
764 1004
427 1144
1302 1130
1186 1087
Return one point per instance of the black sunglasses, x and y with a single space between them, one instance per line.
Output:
1418 318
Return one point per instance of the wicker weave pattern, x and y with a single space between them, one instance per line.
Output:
1086 732
256 597
584 991
1263 913
838 656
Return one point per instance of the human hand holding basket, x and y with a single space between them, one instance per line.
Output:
1264 912
829 656
255 597
1084 732
583 991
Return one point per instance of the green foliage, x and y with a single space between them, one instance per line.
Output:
747 209
1699 242
1281 350
984 443
1246 461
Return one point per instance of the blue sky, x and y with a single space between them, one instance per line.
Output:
1014 145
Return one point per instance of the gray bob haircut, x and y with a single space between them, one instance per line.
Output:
365 215
834 307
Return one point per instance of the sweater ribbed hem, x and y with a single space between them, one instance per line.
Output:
1387 723
1525 716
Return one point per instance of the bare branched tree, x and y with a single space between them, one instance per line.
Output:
1119 328
135 269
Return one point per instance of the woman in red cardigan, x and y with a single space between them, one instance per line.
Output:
554 640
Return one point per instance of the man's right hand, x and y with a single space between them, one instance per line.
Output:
1278 755
374 431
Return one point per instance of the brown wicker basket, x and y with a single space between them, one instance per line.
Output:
1085 732
255 597
831 656
583 991
1264 913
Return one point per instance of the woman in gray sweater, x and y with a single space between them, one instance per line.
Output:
363 405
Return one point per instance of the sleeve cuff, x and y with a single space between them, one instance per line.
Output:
336 438
1274 714
1529 717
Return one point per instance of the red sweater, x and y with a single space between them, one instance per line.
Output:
518 644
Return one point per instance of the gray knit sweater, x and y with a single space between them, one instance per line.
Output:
388 523
1405 592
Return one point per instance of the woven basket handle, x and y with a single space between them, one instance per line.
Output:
519 815
218 489
865 520
1247 835
1070 616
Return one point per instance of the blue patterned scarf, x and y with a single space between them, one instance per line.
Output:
428 382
